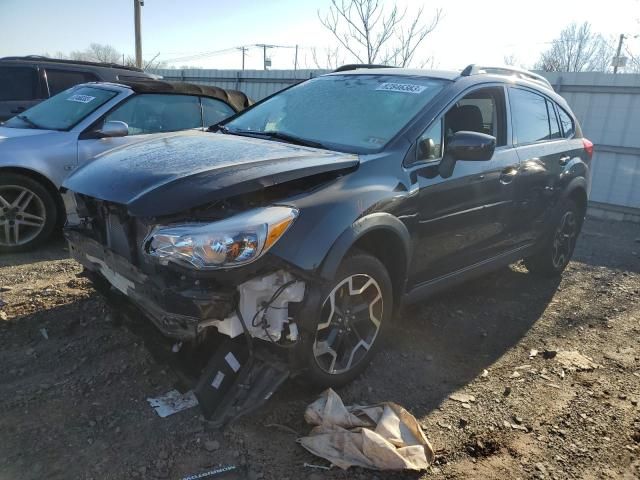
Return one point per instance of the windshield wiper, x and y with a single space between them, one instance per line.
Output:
287 137
218 127
29 122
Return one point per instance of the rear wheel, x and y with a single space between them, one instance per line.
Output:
28 213
556 251
355 312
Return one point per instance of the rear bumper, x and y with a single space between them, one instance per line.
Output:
178 309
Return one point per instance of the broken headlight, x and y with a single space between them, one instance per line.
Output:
227 243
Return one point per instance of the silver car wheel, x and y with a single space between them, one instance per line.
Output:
350 321
22 215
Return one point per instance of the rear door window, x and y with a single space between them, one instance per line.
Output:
155 112
530 116
60 80
18 83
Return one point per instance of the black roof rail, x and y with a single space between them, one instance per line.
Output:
41 58
474 69
356 66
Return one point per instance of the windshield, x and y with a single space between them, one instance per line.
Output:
62 111
354 113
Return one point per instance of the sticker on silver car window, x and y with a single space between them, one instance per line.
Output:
81 98
402 87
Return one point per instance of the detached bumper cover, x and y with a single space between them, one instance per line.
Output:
176 310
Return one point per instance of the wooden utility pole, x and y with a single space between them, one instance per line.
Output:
244 53
264 53
617 59
136 18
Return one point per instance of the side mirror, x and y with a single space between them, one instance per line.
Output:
473 146
113 128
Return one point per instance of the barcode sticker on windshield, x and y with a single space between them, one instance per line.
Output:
402 87
81 98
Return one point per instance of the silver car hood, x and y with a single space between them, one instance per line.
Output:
8 132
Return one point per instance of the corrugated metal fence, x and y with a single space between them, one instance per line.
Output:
608 107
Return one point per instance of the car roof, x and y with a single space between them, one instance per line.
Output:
237 99
407 72
41 60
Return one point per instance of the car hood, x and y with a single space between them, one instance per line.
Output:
7 133
167 175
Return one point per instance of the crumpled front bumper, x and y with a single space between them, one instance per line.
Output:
178 309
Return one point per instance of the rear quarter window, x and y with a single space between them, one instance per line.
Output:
568 125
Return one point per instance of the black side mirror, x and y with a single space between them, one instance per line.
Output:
473 146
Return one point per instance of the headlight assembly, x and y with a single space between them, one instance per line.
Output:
232 242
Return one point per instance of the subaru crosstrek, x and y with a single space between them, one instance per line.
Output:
308 219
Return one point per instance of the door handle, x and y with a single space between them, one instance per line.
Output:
18 110
564 160
507 175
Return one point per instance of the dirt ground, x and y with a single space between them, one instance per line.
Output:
74 405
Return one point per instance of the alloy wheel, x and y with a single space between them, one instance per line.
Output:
351 318
564 239
22 215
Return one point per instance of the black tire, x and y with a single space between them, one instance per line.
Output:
556 250
42 205
356 328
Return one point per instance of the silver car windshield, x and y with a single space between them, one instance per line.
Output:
64 110
357 113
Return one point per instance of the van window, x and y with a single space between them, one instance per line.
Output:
60 80
18 83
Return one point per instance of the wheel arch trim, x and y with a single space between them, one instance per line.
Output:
374 222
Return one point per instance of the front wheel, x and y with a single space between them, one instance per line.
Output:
28 213
557 249
350 324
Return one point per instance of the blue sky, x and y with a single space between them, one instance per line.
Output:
471 31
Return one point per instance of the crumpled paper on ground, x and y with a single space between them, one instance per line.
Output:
380 437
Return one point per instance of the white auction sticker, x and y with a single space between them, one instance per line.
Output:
402 87
81 98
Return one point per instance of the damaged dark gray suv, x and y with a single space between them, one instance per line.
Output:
307 220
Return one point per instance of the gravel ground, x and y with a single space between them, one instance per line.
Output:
73 405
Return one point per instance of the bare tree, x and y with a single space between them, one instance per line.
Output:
578 49
374 34
97 52
328 58
511 60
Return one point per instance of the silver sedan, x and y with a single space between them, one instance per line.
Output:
43 145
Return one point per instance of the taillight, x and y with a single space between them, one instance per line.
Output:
588 147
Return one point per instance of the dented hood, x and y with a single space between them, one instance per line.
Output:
176 172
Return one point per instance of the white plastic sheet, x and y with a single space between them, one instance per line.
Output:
380 437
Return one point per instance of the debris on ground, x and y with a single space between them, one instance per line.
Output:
380 437
462 398
173 402
44 333
229 472
574 360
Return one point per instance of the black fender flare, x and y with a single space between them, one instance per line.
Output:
573 185
362 226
